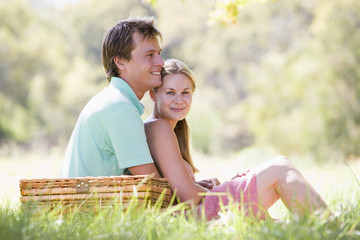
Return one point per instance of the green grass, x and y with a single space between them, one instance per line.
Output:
153 223
335 182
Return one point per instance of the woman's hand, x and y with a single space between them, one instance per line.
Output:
209 183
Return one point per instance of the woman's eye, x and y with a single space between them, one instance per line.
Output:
186 92
170 93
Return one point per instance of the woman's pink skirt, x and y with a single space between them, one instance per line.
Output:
240 190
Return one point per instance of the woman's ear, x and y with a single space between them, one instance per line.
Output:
152 95
119 63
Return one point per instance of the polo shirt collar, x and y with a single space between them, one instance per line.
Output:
128 92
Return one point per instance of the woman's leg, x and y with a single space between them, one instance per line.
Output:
279 179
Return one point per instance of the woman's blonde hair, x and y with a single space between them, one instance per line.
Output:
175 66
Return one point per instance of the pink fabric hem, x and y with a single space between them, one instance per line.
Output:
240 190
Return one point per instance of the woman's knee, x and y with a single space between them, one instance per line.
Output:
276 170
273 170
286 171
281 167
282 162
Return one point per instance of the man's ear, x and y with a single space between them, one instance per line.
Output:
152 95
119 63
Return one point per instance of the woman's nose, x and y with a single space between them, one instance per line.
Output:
178 99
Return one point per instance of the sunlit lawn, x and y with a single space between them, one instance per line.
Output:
335 182
330 179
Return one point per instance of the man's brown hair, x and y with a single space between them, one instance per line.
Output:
118 41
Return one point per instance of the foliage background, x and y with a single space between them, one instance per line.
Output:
282 75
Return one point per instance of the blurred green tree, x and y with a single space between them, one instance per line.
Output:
283 74
336 30
305 99
32 52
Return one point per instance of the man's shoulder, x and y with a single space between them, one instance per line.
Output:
109 111
112 94
112 100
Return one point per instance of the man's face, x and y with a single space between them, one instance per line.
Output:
143 70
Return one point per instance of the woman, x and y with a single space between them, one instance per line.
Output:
256 190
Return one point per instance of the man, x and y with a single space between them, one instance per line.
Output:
109 137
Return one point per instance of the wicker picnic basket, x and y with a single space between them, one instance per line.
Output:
94 192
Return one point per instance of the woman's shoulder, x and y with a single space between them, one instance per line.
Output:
160 134
156 124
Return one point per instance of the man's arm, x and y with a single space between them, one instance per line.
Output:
127 136
145 169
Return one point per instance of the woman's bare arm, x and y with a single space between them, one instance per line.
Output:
165 151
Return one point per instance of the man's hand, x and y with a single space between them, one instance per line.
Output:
209 183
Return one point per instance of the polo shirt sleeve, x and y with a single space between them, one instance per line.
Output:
127 136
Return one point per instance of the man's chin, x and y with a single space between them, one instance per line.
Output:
157 83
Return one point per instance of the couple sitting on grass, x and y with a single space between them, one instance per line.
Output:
110 137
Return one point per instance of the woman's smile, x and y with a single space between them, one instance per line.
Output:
177 109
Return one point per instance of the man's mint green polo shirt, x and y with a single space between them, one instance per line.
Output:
109 135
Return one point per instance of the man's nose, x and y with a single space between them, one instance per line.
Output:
159 61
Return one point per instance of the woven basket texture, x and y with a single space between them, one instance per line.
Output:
90 192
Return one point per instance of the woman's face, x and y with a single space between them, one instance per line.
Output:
173 98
